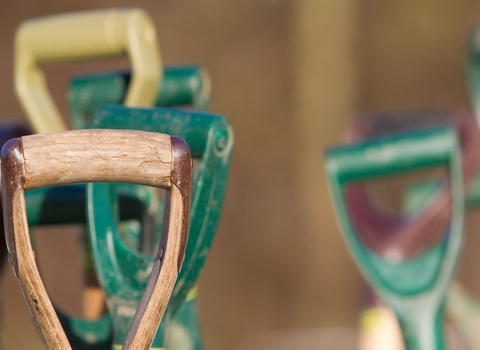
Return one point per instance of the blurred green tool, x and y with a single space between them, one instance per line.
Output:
414 287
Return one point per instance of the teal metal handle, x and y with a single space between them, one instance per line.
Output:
417 195
389 155
210 138
181 86
405 234
415 289
66 205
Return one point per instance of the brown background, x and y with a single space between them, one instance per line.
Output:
289 75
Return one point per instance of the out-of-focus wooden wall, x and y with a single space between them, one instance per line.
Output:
289 75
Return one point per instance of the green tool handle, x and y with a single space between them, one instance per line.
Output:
425 333
418 290
185 85
418 194
401 153
181 86
66 205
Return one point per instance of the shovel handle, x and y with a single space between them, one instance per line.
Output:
404 152
84 36
97 155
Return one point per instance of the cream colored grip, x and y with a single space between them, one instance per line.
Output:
97 155
379 330
84 36
15 177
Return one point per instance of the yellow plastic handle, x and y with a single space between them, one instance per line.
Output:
84 36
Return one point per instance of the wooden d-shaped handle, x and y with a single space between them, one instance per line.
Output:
84 36
97 156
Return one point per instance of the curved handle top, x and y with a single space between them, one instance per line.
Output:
98 155
390 155
417 299
83 36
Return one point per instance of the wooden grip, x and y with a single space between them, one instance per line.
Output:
84 36
97 155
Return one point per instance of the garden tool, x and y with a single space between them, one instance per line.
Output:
462 308
44 203
7 131
419 200
181 86
211 140
78 37
82 36
380 230
145 158
413 286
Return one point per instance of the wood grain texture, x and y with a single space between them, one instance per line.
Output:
97 156
162 280
33 289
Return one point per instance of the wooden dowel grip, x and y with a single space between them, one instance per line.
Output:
97 156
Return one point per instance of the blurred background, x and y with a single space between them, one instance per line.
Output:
289 75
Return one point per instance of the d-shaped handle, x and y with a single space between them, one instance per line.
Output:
404 153
83 36
417 303
98 156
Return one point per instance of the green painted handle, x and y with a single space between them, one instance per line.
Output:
210 138
66 205
395 154
424 332
415 289
418 194
181 86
